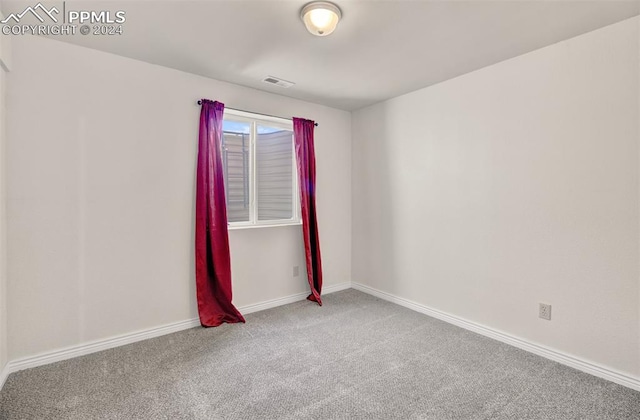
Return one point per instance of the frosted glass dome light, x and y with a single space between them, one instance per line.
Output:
320 17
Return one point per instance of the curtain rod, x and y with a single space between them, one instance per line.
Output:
258 113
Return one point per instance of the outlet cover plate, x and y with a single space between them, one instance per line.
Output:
545 311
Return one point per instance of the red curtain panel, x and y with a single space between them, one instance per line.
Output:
306 159
213 261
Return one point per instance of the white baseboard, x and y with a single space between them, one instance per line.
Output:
4 373
121 340
249 309
98 345
552 354
336 288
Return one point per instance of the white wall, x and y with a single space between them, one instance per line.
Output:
5 65
100 180
512 185
3 235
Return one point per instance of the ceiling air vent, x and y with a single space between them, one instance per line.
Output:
278 82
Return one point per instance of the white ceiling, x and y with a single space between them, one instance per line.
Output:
380 49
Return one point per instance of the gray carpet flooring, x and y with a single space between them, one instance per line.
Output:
357 357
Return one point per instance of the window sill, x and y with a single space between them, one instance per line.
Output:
242 227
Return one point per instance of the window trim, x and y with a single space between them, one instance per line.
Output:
254 222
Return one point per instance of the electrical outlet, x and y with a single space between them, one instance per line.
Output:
545 311
296 271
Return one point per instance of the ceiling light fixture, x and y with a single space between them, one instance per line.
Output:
320 17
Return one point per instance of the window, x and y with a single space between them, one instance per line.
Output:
259 170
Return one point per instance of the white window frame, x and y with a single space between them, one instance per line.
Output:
255 120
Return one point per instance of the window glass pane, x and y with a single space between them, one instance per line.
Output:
235 160
274 173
